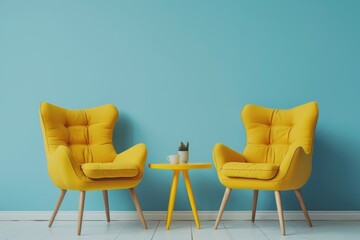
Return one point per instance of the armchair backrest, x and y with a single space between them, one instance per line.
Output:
88 133
271 132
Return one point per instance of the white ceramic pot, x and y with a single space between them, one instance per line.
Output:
184 156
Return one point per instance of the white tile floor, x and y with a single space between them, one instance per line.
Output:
184 230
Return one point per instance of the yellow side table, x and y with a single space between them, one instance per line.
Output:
177 168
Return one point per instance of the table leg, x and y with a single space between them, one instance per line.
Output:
172 198
191 197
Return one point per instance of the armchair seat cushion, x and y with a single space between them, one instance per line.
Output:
250 170
109 170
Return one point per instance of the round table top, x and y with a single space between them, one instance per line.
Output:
183 166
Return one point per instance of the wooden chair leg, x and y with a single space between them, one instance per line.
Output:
59 201
302 204
222 207
256 192
106 203
280 211
81 211
137 206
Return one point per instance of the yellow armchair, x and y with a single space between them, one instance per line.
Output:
81 156
277 155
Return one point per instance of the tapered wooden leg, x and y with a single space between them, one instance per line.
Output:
59 201
256 192
106 203
137 206
280 211
172 198
302 204
191 198
81 211
222 207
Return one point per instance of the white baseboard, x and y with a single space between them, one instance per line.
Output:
179 215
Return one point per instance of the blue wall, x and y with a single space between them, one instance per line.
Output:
180 71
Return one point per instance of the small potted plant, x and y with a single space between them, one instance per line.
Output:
183 152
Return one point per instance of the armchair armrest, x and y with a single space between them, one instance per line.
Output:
223 154
63 168
136 154
296 167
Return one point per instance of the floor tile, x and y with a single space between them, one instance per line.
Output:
208 232
244 230
12 228
273 227
321 230
68 230
179 230
135 230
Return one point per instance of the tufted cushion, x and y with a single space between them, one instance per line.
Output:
270 132
250 170
87 132
109 170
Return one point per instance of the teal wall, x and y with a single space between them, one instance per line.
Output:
180 71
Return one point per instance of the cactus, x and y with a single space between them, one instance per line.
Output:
182 147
